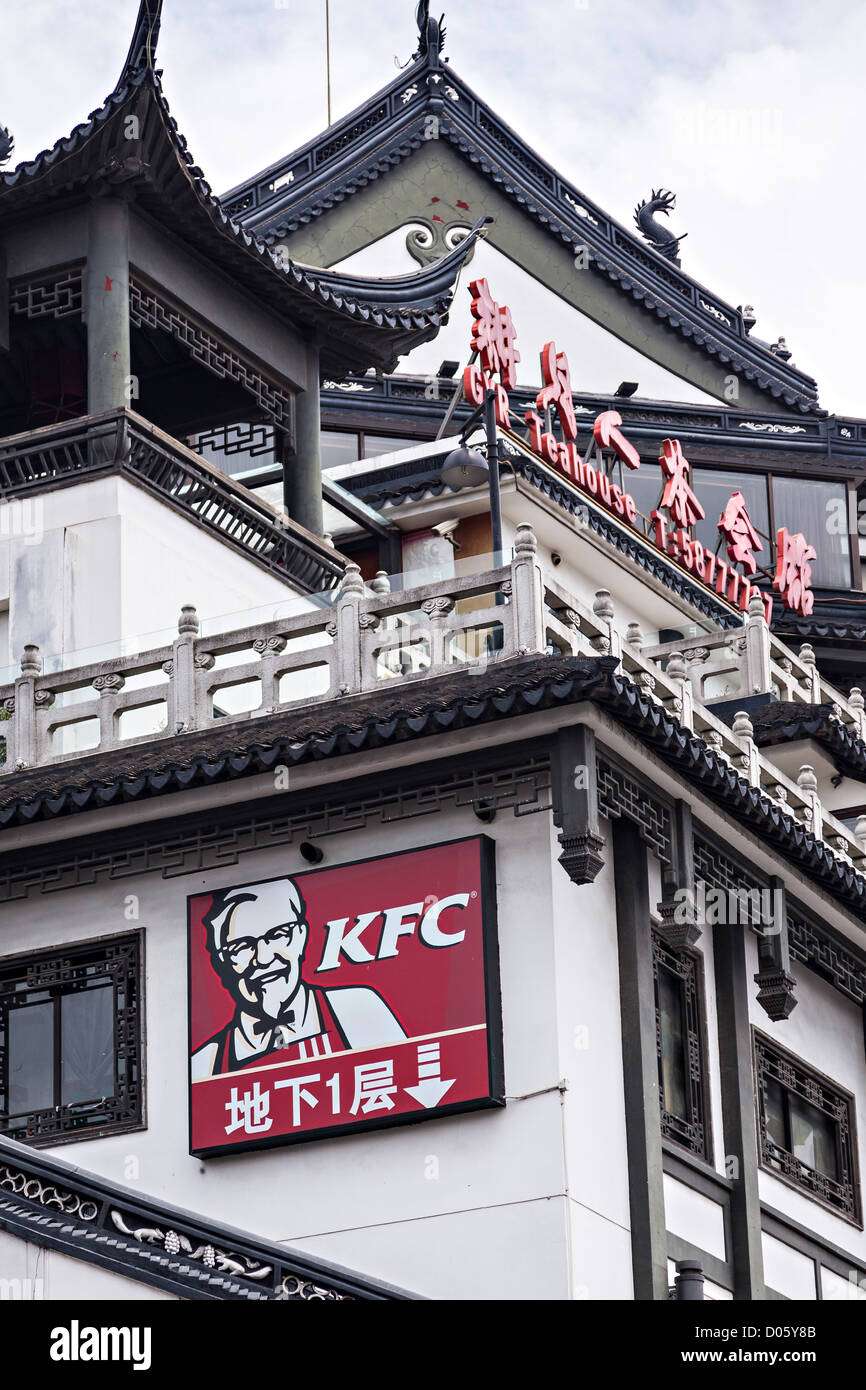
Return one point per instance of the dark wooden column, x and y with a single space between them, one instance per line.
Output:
107 305
302 466
640 1063
738 1108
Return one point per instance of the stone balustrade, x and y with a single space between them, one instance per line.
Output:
367 636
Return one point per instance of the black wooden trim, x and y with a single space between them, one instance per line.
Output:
640 1065
738 1108
574 777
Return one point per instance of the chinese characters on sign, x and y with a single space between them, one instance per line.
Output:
793 576
741 536
493 338
495 341
317 1006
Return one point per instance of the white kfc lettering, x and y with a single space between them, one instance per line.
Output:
399 921
429 931
348 944
396 922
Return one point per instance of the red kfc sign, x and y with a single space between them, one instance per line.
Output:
344 999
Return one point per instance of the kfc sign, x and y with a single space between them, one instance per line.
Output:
344 999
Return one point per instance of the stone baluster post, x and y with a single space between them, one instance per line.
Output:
22 749
352 677
855 700
438 630
750 761
807 656
269 648
527 593
380 584
184 699
108 687
683 703
756 658
808 784
609 643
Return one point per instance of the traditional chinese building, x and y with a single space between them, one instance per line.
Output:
432 860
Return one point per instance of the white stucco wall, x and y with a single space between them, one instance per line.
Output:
31 1273
496 1220
104 559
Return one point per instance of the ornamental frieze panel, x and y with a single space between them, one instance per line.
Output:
148 309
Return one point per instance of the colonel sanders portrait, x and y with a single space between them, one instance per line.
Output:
257 937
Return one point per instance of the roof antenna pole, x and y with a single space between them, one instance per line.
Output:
328 53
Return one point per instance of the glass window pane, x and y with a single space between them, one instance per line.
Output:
774 1113
673 1042
377 444
645 486
813 1137
31 1058
87 1045
815 509
714 488
338 446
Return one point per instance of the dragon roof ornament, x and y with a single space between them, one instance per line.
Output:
660 237
7 144
431 32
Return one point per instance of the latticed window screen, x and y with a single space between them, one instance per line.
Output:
806 1128
70 1041
682 1065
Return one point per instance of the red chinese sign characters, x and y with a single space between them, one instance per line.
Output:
793 578
739 533
679 510
556 390
495 341
344 998
678 500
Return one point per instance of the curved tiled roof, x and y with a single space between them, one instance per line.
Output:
366 321
366 144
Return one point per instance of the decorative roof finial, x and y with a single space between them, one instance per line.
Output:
142 50
431 32
656 233
7 144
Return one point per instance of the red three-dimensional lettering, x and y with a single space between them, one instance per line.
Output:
606 432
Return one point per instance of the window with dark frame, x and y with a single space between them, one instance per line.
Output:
806 1128
70 1041
683 1092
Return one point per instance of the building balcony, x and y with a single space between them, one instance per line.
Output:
364 641
124 443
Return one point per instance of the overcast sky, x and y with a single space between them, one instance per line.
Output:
750 110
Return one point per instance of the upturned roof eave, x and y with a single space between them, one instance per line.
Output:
326 183
362 328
